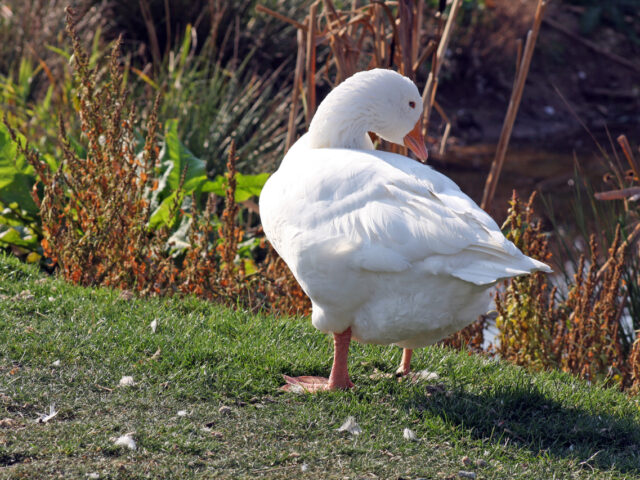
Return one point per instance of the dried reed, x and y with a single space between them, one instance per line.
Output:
376 35
522 70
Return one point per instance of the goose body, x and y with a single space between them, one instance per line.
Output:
387 249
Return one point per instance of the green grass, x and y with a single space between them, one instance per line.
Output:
509 423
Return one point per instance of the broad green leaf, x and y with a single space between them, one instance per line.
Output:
162 215
8 218
16 175
175 158
181 158
246 248
162 174
13 237
180 239
217 186
51 161
18 189
247 186
10 237
249 266
33 257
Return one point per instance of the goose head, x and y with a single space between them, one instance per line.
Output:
379 101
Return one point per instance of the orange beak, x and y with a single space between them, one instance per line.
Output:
415 142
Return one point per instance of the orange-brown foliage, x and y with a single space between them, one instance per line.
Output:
580 335
95 212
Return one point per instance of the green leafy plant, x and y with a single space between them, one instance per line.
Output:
19 221
182 175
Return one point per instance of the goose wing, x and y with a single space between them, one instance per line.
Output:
389 214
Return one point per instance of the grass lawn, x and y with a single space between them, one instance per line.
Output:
221 369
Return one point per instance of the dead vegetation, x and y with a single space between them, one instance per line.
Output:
95 211
374 35
581 333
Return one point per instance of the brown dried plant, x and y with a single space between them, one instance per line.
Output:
230 233
198 273
634 366
95 210
582 334
526 330
594 345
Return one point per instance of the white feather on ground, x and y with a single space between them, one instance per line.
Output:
127 441
127 381
350 426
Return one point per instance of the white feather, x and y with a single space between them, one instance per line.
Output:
350 425
126 441
127 381
410 435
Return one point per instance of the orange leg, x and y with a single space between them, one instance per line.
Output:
405 364
339 377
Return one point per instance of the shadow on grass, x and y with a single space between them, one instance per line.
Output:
524 416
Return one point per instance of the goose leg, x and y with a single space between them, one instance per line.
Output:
339 377
405 364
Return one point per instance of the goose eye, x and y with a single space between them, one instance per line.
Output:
412 104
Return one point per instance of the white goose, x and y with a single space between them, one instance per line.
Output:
388 250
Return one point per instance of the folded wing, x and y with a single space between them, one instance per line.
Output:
398 214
